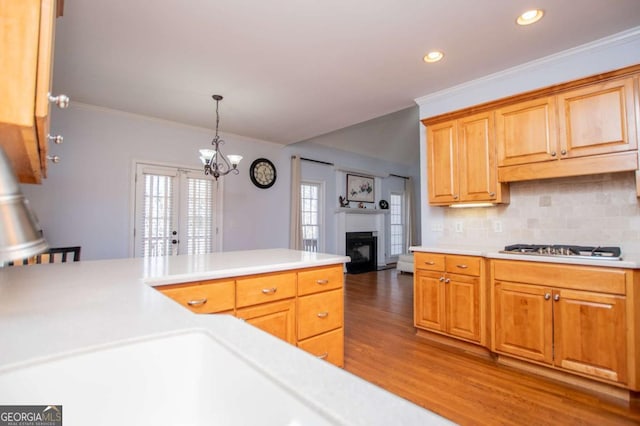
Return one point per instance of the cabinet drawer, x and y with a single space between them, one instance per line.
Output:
328 346
203 297
320 279
429 261
464 265
265 288
319 313
588 278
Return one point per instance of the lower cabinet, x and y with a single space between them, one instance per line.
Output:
302 307
276 318
570 318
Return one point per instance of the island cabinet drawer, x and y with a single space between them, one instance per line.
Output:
320 279
328 346
465 265
429 261
205 297
265 288
320 312
576 277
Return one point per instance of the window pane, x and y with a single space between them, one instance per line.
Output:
158 215
200 210
397 224
310 216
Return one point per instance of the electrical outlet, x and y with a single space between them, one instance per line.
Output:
437 227
459 227
497 226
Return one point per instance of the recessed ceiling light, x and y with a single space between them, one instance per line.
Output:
530 16
433 56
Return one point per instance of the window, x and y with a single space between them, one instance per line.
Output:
310 204
397 225
175 211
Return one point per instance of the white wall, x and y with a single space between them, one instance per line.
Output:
86 199
582 225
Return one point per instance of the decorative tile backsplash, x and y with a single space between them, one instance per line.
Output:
586 210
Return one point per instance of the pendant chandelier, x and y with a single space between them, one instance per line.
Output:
215 162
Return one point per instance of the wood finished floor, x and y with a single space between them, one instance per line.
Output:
382 348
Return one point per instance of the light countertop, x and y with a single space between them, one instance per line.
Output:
629 260
57 310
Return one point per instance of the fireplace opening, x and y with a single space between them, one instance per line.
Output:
362 248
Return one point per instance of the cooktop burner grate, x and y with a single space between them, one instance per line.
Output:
590 252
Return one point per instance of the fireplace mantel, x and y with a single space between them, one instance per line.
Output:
356 210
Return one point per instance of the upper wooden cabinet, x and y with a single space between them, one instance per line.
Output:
27 28
461 155
582 127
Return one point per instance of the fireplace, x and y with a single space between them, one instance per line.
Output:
362 247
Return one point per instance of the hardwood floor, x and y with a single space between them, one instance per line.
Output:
382 348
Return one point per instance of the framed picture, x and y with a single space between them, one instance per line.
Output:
360 188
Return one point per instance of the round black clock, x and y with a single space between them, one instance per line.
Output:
262 173
384 205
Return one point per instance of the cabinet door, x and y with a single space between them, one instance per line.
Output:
523 318
590 334
276 318
463 306
442 160
526 132
478 171
429 300
598 119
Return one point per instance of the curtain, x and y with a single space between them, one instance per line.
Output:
295 225
409 214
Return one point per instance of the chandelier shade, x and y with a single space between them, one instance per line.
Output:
215 162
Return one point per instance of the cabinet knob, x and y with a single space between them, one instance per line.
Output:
441 279
556 297
197 302
563 152
271 290
553 153
447 281
547 296
57 139
54 158
62 101
455 197
492 194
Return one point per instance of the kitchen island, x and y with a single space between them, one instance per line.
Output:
61 312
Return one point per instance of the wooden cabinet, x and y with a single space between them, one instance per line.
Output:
276 318
203 297
571 318
320 307
587 130
461 158
27 29
303 307
449 295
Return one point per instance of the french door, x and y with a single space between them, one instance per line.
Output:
176 211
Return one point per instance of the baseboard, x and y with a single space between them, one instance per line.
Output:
453 343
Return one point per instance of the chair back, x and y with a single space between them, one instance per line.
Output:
53 255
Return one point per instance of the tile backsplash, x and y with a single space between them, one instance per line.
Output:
586 210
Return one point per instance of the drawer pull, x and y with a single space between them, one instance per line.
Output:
322 314
430 262
271 290
322 356
197 302
462 266
447 281
441 279
322 282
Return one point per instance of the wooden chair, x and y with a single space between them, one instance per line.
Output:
53 255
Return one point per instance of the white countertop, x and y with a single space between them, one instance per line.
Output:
629 260
57 310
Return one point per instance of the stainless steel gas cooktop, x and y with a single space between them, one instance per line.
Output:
582 252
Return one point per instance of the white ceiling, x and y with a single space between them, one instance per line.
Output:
294 69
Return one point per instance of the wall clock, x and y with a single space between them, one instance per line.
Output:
262 173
